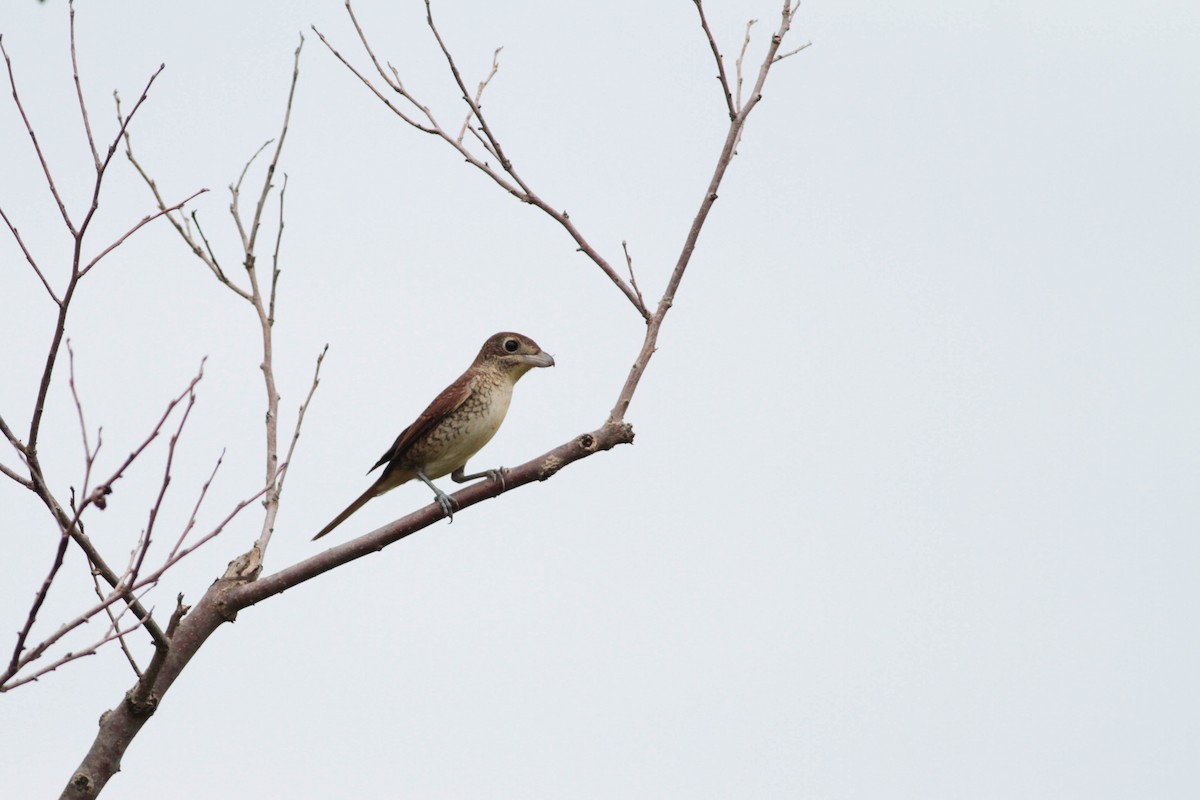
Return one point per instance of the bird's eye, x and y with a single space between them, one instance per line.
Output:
511 345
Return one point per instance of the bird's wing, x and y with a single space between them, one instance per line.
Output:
451 398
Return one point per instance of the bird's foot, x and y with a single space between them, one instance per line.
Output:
443 499
497 475
459 475
446 503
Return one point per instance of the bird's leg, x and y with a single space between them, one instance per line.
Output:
496 474
443 499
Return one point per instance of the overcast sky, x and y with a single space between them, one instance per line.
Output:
912 510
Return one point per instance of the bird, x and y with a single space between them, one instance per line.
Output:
456 425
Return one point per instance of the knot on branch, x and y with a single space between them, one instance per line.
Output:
141 707
551 465
83 784
613 434
246 567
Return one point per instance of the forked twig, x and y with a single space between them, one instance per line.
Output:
479 99
507 176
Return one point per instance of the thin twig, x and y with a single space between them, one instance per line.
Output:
13 439
28 484
39 598
181 225
789 53
732 136
266 317
235 192
103 168
12 82
29 257
87 125
113 620
508 179
69 657
267 185
70 530
265 536
742 55
116 595
632 278
712 43
89 455
275 270
191 523
479 94
144 546
138 226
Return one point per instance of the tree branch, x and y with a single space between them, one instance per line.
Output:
712 43
732 136
510 180
242 584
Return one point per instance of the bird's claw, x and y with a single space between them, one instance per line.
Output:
497 475
447 505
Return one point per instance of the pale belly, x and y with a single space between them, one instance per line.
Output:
481 419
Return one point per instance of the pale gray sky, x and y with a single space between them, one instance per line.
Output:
912 511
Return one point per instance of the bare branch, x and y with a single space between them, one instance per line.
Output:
103 167
266 187
121 594
138 226
122 588
189 394
144 545
13 439
367 82
19 446
732 136
14 661
212 259
537 469
508 179
266 314
505 162
789 53
87 126
235 192
114 619
741 56
712 43
69 657
143 691
89 455
181 225
479 98
265 537
76 272
240 587
191 523
29 257
183 552
28 484
275 271
484 143
632 279
12 82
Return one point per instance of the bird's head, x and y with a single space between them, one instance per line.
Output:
513 354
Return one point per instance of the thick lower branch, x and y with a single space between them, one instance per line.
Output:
230 594
119 726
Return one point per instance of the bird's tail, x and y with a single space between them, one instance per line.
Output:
350 509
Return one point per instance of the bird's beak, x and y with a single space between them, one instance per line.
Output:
539 360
